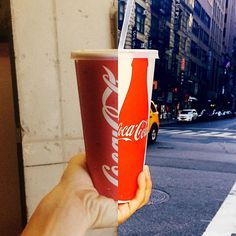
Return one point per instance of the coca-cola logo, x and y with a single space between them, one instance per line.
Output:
110 114
133 132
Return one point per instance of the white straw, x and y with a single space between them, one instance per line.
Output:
125 26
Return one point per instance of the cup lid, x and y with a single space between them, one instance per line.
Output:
107 53
139 53
113 53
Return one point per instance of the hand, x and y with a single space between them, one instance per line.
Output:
73 206
143 194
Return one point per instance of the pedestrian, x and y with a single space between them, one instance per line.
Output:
74 205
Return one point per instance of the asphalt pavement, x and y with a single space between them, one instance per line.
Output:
193 169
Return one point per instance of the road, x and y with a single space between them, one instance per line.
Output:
193 169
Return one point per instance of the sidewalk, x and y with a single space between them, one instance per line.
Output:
224 222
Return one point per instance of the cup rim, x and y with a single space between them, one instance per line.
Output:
139 53
97 53
113 53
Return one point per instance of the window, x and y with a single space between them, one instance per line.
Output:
153 108
176 44
225 20
204 56
203 13
204 73
121 13
194 48
205 38
205 18
199 53
195 28
200 33
197 8
224 32
154 27
207 21
138 43
140 18
193 68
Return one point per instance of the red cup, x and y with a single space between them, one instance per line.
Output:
115 118
97 75
136 70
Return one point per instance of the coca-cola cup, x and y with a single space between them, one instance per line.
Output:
136 70
115 89
97 77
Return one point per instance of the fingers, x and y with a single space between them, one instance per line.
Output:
142 196
123 213
136 203
148 189
103 211
144 190
127 209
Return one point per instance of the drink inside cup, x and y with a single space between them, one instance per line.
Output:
115 93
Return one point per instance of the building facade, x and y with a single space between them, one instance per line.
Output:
183 19
138 35
199 51
228 89
195 43
216 61
165 73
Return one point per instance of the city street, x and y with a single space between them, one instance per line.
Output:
193 169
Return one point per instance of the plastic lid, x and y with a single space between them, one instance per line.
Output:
139 53
107 53
113 53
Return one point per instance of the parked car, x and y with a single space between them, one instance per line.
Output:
220 114
204 115
187 115
228 114
214 114
154 123
224 113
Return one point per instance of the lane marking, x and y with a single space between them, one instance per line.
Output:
199 133
169 131
224 222
226 134
182 131
202 128
212 133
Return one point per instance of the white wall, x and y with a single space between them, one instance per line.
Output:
45 32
